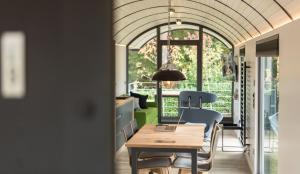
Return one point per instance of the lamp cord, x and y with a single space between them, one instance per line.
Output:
169 34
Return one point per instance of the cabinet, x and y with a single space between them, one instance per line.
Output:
124 114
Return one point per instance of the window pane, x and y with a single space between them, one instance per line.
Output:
185 59
269 113
180 32
142 63
214 81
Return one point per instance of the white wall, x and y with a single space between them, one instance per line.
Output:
289 88
120 69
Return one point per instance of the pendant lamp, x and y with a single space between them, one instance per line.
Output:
168 71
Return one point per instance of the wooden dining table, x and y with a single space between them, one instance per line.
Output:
186 138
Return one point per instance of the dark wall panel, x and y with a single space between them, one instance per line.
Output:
64 124
88 101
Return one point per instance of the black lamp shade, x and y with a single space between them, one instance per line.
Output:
168 75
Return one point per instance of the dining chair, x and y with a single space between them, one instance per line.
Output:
197 115
128 132
134 126
158 165
203 164
203 153
131 129
195 98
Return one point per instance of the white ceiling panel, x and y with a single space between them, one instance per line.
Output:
237 20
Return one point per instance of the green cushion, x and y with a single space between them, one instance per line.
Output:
147 116
151 115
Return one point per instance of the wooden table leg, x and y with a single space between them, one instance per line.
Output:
194 161
134 169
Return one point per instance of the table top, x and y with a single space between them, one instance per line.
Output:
184 137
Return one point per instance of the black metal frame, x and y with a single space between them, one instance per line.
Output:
136 150
259 140
197 43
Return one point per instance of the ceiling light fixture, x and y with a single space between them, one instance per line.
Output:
168 71
178 21
171 11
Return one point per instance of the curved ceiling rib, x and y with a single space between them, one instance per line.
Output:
284 10
191 8
153 34
240 15
233 40
218 11
206 5
258 13
132 22
141 26
230 42
132 2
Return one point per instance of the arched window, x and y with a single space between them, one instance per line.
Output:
200 53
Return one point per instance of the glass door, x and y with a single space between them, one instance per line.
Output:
185 59
214 79
268 114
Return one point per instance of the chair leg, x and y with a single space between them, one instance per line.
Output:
222 139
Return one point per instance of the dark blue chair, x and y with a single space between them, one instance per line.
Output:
190 107
197 115
195 98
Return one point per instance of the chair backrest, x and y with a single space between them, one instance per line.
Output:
134 125
216 127
214 145
274 122
195 115
213 132
195 98
127 131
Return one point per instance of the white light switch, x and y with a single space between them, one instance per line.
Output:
13 64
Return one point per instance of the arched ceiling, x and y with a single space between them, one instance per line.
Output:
236 20
143 38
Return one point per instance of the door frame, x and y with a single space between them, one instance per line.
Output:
261 117
260 122
160 44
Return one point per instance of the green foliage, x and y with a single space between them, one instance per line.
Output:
142 63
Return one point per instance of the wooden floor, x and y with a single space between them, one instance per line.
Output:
224 163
